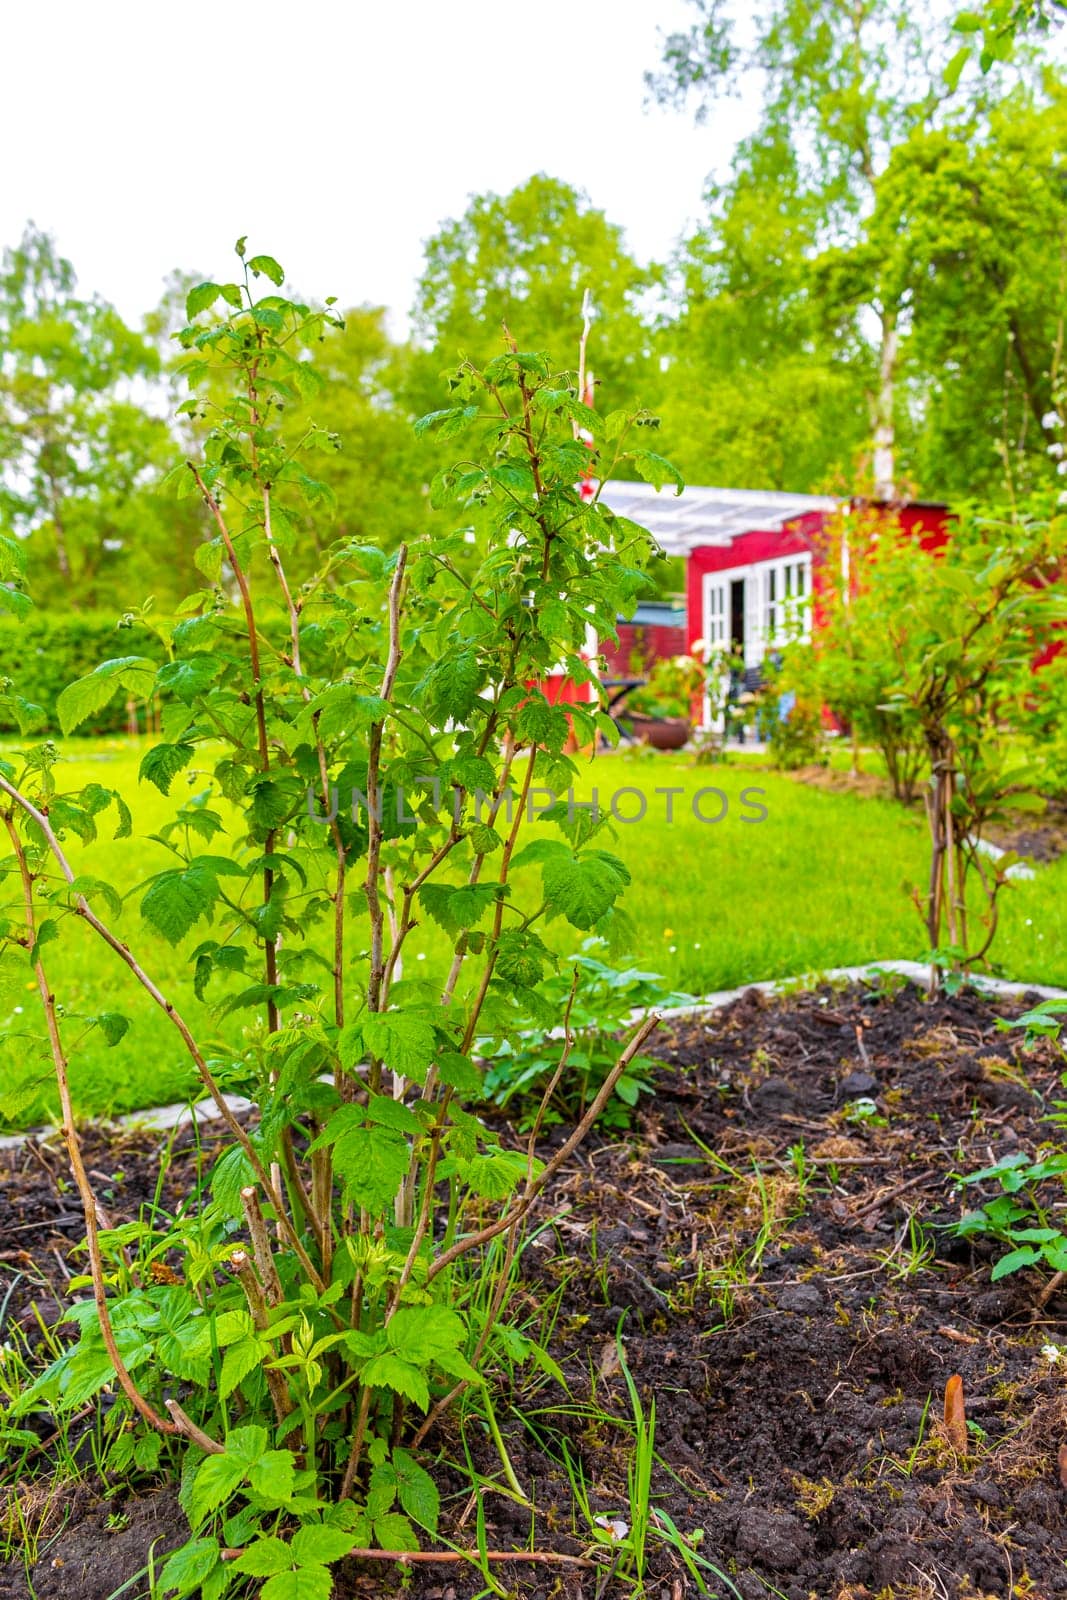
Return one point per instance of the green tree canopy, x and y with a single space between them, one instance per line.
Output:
525 260
80 453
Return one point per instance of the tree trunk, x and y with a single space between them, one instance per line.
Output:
884 432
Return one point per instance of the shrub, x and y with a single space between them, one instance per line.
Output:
287 1347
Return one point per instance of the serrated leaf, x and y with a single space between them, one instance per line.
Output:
372 1163
185 1570
272 1475
86 696
176 900
163 762
315 1544
657 470
447 422
421 1333
264 1558
112 1024
189 676
1025 1256
417 1491
201 298
308 1583
450 688
394 1532
460 1073
405 1043
239 1360
583 889
269 269
217 1478
390 1371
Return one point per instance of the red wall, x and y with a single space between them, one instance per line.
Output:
647 641
803 533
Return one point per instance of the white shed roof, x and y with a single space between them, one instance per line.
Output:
680 523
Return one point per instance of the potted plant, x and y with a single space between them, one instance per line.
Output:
660 712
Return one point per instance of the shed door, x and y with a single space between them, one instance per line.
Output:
716 614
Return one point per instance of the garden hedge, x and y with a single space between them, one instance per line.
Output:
46 652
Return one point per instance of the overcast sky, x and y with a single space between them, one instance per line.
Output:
148 136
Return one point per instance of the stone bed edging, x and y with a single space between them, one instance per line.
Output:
164 1118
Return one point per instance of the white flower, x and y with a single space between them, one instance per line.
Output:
1052 419
1052 1354
615 1526
1061 468
18 1011
5 1350
1055 449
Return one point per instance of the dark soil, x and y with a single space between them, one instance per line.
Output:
795 1320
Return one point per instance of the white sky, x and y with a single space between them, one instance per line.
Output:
148 136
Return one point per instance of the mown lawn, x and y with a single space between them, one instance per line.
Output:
821 881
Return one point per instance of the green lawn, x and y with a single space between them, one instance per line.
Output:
819 883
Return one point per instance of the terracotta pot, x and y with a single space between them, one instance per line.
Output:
662 733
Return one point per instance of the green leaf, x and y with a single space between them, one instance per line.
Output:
268 267
317 1544
583 888
272 1475
146 1451
446 423
84 698
1025 1256
657 470
112 1024
954 68
422 1333
176 900
309 1583
457 907
373 1163
405 1043
202 298
264 1558
394 1532
239 1360
417 1491
540 723
185 1570
189 677
450 688
217 1478
389 1113
460 1073
391 1372
163 762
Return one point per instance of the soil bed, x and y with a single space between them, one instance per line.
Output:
797 1321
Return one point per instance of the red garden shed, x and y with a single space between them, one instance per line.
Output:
752 555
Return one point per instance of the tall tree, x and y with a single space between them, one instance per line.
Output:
842 82
525 259
969 233
79 454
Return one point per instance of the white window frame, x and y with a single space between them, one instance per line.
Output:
785 596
